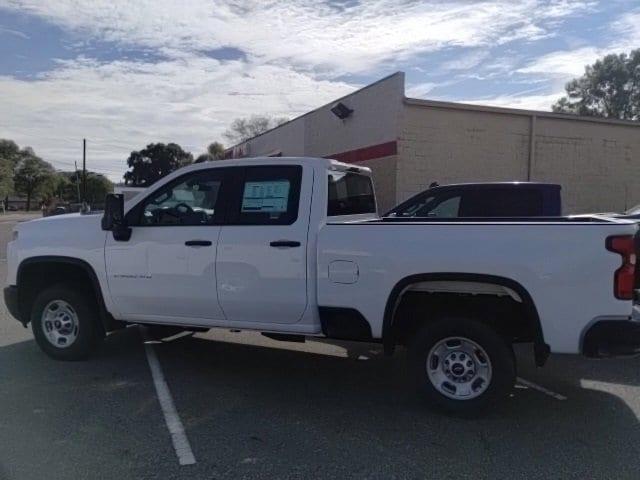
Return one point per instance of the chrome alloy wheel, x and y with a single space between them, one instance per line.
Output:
59 323
459 368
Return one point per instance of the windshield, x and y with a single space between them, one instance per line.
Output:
633 210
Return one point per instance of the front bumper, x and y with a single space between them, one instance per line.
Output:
612 338
11 301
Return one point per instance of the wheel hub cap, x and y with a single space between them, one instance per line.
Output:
459 368
60 323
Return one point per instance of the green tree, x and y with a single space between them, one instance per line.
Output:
215 151
242 129
33 177
63 188
68 184
6 178
97 188
609 88
10 155
154 162
10 151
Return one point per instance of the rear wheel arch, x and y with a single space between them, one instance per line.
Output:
38 273
389 326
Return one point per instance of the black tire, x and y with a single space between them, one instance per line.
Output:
88 332
500 355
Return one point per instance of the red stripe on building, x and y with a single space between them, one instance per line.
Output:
367 153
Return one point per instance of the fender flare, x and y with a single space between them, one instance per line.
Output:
106 320
541 349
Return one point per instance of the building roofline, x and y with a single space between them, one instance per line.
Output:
516 111
316 109
453 106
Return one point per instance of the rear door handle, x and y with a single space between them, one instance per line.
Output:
198 243
285 243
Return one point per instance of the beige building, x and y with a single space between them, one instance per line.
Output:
409 143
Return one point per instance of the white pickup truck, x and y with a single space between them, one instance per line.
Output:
293 248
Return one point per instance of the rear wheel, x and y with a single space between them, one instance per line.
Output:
63 319
461 365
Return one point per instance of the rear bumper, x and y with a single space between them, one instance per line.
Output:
11 301
612 338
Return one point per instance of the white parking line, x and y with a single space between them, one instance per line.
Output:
172 419
539 388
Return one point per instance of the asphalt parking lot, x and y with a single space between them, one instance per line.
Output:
252 407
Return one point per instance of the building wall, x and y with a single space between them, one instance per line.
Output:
449 146
385 179
376 111
596 161
597 164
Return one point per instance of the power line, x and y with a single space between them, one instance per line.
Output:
94 169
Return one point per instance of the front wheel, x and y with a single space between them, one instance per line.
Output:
63 319
461 365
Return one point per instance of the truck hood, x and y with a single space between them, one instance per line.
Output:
68 229
55 222
74 235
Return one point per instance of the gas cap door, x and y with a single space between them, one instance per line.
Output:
343 271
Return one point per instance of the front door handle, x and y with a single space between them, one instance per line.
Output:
198 243
285 243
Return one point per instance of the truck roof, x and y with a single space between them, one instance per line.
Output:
480 185
236 162
326 163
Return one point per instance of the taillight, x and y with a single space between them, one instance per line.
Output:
624 278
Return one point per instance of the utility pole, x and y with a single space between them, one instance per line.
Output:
77 181
84 170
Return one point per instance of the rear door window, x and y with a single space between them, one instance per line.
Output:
267 195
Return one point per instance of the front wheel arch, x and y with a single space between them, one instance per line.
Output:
38 273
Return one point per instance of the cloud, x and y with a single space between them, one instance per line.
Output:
288 57
15 33
466 61
564 64
317 35
121 106
567 64
541 102
627 27
420 90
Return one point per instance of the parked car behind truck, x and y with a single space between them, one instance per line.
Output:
487 199
294 248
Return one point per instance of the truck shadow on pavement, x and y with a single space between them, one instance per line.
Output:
358 409
324 410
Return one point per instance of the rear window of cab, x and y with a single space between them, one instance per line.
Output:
350 193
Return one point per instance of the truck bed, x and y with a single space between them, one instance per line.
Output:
562 262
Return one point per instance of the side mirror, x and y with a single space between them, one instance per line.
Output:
113 218
113 211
